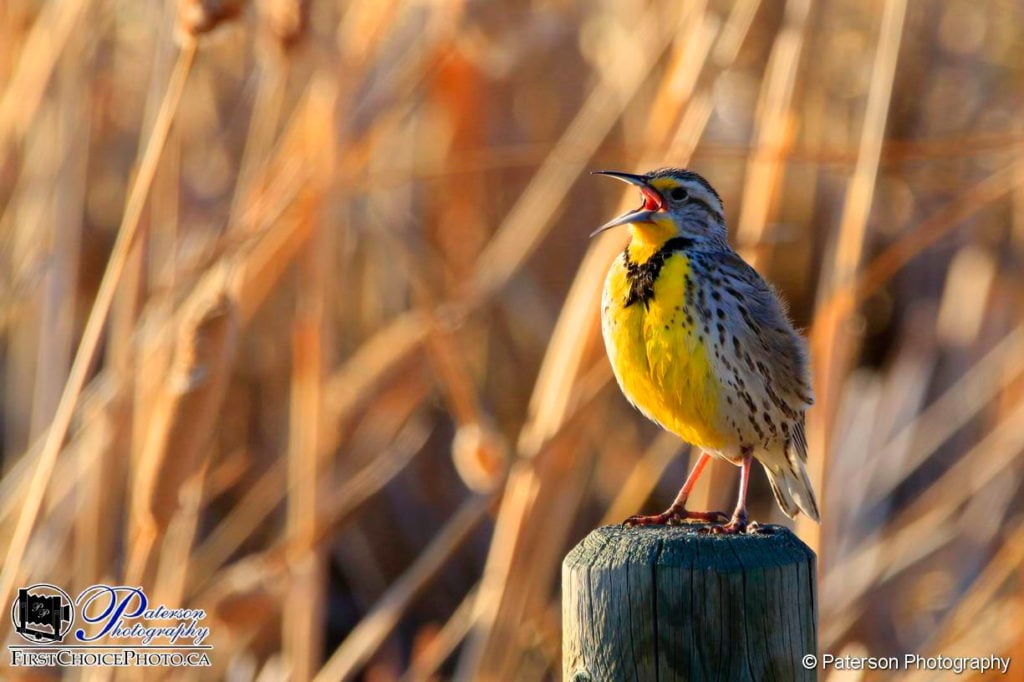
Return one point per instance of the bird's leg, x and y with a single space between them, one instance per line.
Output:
738 522
678 513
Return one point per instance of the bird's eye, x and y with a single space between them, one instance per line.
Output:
679 194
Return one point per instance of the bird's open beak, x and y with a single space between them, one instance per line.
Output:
653 201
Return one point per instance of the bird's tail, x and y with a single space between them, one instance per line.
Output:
793 489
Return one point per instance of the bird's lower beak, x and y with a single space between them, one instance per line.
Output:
652 201
638 216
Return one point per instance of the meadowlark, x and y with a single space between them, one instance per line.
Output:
702 346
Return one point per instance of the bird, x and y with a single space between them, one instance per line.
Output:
703 346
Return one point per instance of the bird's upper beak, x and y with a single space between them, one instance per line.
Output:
653 201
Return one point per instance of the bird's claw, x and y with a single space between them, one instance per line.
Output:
731 528
737 525
675 517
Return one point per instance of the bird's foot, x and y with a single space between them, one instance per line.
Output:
737 525
674 516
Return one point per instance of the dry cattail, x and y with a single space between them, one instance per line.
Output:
184 414
480 456
285 20
202 16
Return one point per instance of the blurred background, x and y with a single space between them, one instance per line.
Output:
300 317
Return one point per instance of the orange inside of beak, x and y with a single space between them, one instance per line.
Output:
652 200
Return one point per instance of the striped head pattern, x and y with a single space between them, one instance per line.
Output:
676 203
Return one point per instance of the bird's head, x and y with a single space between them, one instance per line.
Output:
676 203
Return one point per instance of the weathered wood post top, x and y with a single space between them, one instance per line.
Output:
672 603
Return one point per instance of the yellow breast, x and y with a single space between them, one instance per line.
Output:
658 358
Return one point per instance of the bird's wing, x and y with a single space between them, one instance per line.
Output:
762 326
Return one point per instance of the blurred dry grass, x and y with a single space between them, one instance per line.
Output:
299 315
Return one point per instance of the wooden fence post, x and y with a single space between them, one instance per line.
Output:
669 603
